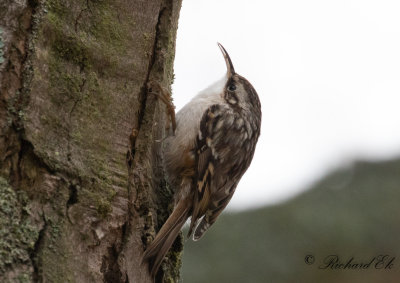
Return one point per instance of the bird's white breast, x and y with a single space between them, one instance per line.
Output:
189 117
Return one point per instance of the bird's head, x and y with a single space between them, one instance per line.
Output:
238 91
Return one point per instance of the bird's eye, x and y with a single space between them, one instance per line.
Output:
231 87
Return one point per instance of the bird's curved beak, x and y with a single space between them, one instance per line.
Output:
228 61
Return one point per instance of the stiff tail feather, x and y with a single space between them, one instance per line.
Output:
164 239
201 229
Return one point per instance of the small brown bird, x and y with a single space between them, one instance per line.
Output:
214 143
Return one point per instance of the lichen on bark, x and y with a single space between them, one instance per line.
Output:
17 234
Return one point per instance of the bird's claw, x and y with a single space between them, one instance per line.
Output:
156 89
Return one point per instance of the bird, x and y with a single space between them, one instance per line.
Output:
214 140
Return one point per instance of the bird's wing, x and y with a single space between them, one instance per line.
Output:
218 139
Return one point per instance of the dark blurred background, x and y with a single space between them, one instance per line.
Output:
350 213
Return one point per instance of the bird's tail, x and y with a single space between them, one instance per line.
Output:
164 239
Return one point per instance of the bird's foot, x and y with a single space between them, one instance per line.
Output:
156 89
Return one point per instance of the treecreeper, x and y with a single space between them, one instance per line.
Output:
213 144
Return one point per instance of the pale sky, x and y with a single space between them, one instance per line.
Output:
327 73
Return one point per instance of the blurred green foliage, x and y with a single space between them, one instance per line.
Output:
353 212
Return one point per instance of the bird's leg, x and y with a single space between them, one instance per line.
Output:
156 89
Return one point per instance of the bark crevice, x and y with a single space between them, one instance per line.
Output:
36 275
142 96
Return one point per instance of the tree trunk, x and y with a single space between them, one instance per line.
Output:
82 187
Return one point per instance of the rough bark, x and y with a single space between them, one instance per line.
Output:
82 187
